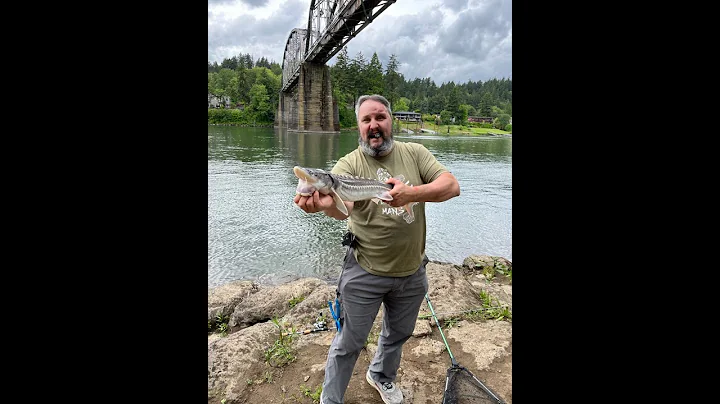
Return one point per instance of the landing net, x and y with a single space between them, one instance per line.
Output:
462 387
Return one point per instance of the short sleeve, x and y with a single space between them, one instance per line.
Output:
430 168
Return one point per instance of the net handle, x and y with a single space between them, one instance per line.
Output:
452 358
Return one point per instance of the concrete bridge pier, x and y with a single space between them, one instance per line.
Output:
286 116
313 109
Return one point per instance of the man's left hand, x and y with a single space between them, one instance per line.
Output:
401 193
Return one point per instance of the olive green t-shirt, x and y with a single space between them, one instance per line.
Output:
387 245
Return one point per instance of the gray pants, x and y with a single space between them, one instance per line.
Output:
360 295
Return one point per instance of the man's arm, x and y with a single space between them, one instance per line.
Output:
441 189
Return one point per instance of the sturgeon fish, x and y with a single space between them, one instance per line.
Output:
346 188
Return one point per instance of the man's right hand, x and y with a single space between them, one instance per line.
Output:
317 202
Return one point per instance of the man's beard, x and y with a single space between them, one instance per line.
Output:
382 150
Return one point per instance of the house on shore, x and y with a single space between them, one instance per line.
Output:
407 116
480 119
216 102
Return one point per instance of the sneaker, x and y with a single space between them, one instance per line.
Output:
389 393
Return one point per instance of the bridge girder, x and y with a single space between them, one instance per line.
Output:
293 57
331 25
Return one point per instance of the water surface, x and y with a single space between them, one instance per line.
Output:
256 232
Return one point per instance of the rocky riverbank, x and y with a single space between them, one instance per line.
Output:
262 347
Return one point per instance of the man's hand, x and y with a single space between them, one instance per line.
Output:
317 202
401 193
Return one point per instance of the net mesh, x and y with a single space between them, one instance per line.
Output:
462 387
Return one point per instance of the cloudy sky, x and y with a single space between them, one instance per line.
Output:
445 40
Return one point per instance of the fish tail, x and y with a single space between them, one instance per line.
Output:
409 215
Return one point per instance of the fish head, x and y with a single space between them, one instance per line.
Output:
311 180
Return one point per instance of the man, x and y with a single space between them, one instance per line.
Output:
385 263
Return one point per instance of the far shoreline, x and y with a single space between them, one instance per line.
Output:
455 130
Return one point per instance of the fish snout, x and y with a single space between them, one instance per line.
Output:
304 188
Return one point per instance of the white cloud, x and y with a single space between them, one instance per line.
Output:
450 40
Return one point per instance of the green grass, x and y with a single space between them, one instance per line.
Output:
281 352
295 300
220 325
503 269
442 130
455 130
313 395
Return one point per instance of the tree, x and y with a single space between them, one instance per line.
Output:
437 104
485 107
237 76
224 81
276 69
401 105
445 117
453 100
244 85
374 76
462 114
264 76
212 82
392 80
469 109
346 112
259 108
340 71
230 63
501 121
356 70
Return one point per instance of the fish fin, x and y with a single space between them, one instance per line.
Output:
339 203
385 196
409 215
375 200
400 178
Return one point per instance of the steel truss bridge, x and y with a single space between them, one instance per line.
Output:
306 102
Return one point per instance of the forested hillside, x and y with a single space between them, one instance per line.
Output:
256 87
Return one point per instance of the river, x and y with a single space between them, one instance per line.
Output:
255 231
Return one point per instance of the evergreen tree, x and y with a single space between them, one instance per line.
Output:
392 80
374 76
230 63
213 68
276 69
453 100
340 71
238 78
436 104
485 107
244 85
358 83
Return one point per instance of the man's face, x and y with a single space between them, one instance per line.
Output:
375 125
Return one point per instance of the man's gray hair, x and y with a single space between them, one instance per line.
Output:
374 97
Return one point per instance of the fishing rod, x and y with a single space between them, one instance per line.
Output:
319 325
424 316
452 382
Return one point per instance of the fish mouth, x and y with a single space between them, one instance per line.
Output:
304 186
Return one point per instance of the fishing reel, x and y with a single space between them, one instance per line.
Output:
320 324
